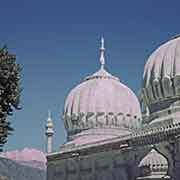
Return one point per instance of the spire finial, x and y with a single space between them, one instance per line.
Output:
49 114
102 50
49 119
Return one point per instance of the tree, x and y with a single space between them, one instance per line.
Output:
10 91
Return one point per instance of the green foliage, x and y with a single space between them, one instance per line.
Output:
9 91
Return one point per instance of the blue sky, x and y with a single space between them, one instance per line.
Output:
57 42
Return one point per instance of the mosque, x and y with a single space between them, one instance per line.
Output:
112 134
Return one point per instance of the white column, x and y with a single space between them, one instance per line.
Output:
49 144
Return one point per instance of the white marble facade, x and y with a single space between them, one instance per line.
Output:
108 138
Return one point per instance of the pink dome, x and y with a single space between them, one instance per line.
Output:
161 78
101 101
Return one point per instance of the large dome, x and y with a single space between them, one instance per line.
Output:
161 79
101 101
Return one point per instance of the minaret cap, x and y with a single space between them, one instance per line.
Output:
102 50
49 125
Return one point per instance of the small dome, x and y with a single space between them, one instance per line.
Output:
161 79
101 101
155 162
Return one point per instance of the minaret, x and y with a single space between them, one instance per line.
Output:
49 133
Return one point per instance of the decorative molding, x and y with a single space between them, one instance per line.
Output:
83 121
161 90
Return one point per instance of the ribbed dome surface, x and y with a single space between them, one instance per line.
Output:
155 161
101 100
161 79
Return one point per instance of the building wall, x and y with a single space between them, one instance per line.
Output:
112 165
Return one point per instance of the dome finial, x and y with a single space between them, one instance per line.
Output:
49 114
102 50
